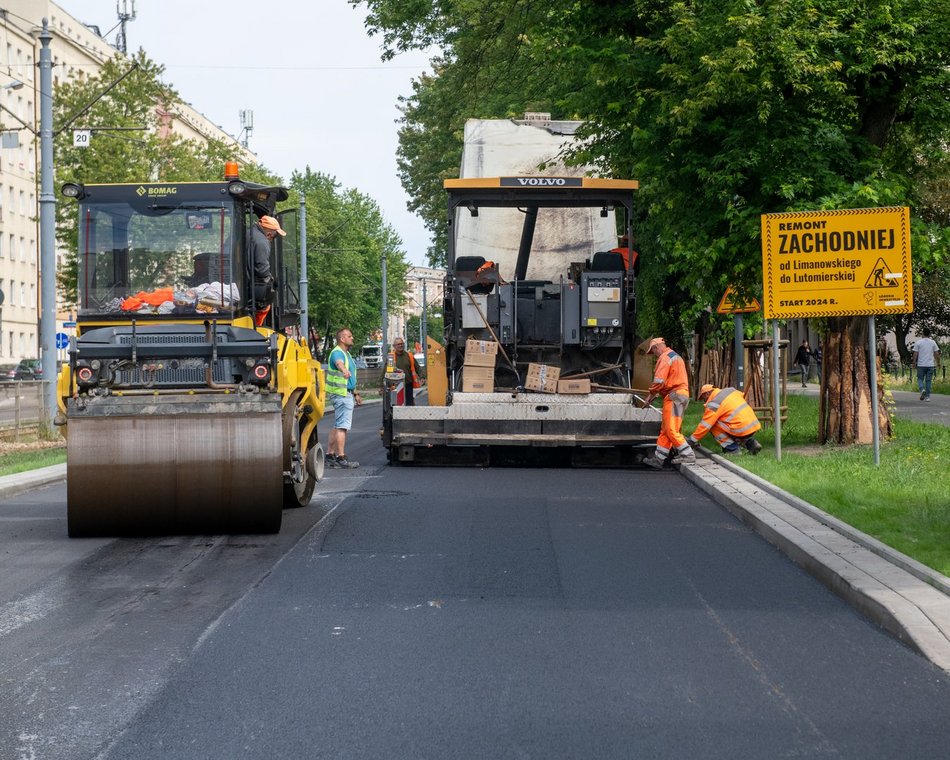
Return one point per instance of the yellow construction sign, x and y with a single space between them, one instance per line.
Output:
837 263
731 305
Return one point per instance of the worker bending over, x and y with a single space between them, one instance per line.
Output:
671 381
730 418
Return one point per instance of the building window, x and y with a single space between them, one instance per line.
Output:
22 249
33 296
32 250
13 292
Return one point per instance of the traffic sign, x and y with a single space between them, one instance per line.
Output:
82 138
837 263
69 324
62 340
730 305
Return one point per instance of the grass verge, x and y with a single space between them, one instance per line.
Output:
30 455
903 502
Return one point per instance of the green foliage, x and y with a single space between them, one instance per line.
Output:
724 111
347 238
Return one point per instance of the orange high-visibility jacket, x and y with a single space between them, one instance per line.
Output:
728 409
670 374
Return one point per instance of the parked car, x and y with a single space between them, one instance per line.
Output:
360 362
29 369
7 373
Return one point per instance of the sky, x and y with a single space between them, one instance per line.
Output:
308 70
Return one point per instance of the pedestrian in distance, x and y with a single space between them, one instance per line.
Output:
405 361
671 383
803 360
341 390
926 359
729 418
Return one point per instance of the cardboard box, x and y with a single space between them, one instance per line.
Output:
480 353
542 378
478 379
577 385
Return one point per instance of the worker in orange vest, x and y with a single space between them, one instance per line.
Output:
671 382
730 419
405 361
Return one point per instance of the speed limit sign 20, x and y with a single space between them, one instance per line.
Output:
81 138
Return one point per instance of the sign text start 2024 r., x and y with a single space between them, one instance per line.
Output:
836 263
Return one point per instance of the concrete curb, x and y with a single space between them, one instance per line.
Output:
11 485
899 594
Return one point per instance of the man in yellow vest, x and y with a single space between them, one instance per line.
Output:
730 419
341 390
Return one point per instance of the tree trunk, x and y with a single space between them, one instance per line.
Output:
845 407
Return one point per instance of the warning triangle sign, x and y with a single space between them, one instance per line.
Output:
881 276
729 304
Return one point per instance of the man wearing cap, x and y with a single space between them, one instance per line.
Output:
730 418
671 381
262 233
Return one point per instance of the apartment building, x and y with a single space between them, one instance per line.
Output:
424 285
77 51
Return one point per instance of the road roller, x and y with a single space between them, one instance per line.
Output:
190 401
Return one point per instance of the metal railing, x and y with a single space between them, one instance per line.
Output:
22 405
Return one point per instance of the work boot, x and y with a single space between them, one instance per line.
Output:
753 447
730 450
652 461
331 460
686 456
345 464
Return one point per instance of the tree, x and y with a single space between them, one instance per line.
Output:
347 238
725 111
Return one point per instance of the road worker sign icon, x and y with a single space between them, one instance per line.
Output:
837 263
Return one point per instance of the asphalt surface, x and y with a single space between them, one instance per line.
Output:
415 612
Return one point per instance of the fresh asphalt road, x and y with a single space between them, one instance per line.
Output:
448 613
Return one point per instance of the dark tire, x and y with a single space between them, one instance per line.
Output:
299 484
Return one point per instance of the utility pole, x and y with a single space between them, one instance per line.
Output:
385 310
304 282
422 320
47 235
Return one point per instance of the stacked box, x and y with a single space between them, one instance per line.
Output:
542 378
579 385
480 353
478 379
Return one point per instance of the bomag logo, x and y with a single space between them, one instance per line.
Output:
155 192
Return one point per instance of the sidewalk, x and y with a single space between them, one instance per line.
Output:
907 403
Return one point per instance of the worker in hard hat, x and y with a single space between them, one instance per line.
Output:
671 382
262 233
730 419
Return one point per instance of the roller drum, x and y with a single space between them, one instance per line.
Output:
183 472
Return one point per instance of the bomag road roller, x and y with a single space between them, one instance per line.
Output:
189 406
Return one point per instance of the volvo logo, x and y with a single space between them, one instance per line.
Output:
542 182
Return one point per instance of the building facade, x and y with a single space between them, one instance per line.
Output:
423 285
